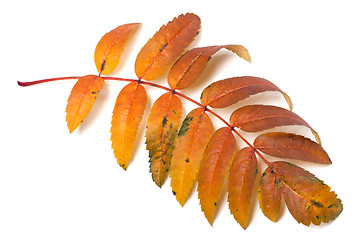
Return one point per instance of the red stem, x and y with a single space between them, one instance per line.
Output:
25 84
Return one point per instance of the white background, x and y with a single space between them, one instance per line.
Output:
54 185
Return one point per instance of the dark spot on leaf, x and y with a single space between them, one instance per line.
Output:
174 193
215 204
165 120
330 206
292 137
317 204
277 181
162 48
187 160
102 65
185 126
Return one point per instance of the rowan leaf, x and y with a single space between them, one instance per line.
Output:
255 118
162 127
166 46
196 152
308 199
110 47
241 182
289 145
270 194
81 99
192 63
214 168
190 144
226 92
127 115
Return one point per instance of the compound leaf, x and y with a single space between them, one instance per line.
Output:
241 182
81 99
190 144
214 168
162 127
110 47
288 145
166 46
127 115
189 66
226 92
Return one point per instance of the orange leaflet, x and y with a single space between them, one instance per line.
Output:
270 194
162 126
241 182
255 118
214 168
288 145
189 66
193 137
110 47
226 92
164 48
308 199
81 99
127 115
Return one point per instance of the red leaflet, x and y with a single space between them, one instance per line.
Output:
270 194
288 145
241 182
215 165
226 92
308 199
189 66
255 118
